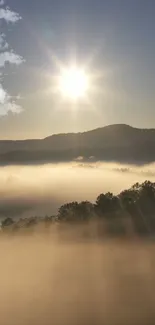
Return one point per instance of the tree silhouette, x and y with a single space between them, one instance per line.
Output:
136 203
75 211
7 222
107 204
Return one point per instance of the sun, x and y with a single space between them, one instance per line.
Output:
73 83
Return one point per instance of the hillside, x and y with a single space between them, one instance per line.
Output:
120 142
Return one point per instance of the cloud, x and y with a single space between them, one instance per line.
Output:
10 107
2 95
10 57
2 2
3 44
7 55
8 15
7 104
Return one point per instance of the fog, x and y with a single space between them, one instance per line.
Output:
40 190
69 275
46 280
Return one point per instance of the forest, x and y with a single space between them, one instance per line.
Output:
131 212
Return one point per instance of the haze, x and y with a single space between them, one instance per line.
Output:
39 190
45 280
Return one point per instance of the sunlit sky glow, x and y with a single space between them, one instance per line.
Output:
113 44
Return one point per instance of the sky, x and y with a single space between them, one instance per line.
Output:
114 39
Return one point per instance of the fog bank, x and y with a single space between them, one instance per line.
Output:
48 281
31 190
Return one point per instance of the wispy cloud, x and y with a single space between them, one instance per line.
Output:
7 55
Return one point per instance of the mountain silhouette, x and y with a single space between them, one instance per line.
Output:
118 142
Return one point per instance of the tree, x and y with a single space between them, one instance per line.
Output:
7 222
85 210
135 202
68 211
75 211
107 204
146 204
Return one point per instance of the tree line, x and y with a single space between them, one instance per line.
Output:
133 209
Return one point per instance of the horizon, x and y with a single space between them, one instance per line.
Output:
78 132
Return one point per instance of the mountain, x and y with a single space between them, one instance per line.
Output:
119 142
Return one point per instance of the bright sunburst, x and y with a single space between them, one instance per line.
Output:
73 83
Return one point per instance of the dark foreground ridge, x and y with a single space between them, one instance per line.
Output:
120 143
132 212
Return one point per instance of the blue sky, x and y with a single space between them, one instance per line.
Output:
120 37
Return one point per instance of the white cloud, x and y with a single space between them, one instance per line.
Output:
10 107
3 44
3 95
10 57
8 15
7 102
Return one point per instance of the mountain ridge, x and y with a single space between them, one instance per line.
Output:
127 126
117 142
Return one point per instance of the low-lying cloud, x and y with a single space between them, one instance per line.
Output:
39 190
45 280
